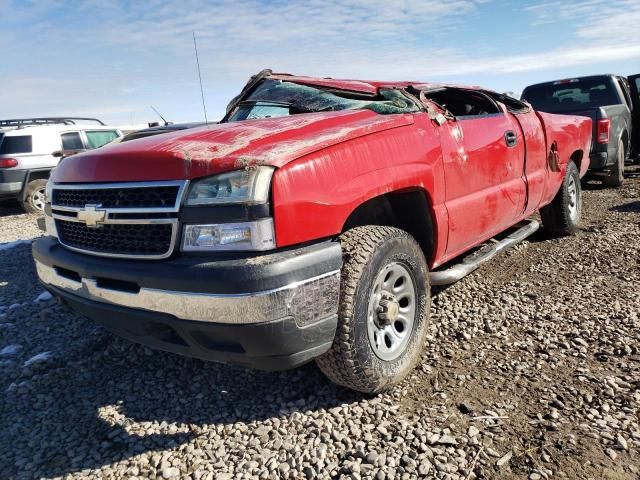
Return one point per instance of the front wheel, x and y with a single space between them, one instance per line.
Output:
35 198
384 310
562 216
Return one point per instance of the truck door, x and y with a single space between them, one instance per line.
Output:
483 155
634 85
536 166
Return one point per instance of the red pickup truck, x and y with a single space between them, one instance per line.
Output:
309 223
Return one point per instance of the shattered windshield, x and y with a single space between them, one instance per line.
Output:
250 110
277 98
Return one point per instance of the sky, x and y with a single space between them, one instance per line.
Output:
113 59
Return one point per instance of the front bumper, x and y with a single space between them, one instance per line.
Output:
272 312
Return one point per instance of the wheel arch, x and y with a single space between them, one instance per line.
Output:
36 174
577 157
401 209
624 137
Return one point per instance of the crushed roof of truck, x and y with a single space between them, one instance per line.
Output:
364 86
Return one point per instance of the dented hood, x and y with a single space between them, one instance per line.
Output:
219 148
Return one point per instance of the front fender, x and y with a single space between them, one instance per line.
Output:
313 197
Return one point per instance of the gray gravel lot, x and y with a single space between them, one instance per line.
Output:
532 371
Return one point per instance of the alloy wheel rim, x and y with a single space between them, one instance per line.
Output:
573 203
392 310
38 198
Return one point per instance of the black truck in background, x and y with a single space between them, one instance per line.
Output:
613 104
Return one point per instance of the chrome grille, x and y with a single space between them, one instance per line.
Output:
89 218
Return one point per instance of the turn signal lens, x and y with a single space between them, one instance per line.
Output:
244 236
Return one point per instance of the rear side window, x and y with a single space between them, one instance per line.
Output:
463 103
16 144
96 139
71 141
513 105
568 95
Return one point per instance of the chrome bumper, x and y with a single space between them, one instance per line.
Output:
305 301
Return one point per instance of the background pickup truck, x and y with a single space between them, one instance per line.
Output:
612 104
309 223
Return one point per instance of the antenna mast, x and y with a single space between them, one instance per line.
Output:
158 113
204 107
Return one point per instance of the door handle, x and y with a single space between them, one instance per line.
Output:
510 138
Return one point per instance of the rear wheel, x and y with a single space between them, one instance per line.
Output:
562 216
383 312
35 198
616 177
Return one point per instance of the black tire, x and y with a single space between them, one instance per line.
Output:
34 197
562 216
616 177
352 361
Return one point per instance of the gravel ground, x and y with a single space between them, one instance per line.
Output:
16 225
532 372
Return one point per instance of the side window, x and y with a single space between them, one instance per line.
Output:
16 144
71 141
512 104
98 138
464 103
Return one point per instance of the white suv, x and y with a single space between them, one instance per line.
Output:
31 147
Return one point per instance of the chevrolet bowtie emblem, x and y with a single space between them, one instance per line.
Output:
92 216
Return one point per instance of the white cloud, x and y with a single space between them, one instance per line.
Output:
112 57
610 21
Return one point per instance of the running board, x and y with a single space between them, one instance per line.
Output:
473 261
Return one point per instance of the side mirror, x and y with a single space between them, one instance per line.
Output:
67 153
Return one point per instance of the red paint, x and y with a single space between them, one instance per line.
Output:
570 133
330 163
365 86
219 148
313 197
536 174
485 189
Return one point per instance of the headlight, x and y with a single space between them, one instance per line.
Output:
241 186
258 235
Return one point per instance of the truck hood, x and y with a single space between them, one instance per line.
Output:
219 148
